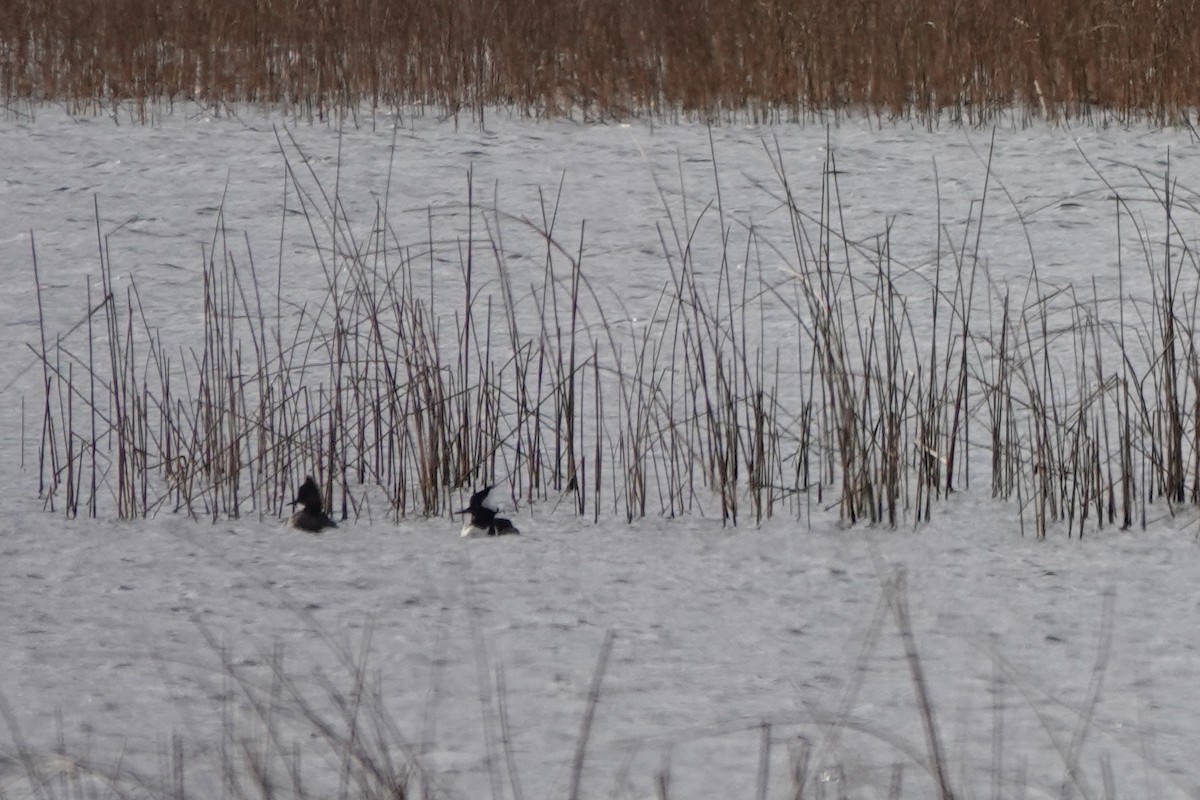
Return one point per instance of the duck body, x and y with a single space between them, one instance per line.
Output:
311 517
498 527
483 520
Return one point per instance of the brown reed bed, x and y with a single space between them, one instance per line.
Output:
897 386
613 58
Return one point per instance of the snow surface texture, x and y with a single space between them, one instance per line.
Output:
118 637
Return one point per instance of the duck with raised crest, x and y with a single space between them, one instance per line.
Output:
311 517
483 519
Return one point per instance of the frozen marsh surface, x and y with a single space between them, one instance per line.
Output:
1053 667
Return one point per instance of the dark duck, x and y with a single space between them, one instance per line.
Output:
483 520
311 517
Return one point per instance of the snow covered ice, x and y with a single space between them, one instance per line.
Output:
118 637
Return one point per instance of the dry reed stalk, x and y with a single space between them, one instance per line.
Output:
589 714
937 760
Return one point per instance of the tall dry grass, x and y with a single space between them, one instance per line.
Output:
606 58
890 389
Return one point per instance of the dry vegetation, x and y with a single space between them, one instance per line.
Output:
890 389
772 59
289 735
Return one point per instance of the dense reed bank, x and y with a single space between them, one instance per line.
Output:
781 59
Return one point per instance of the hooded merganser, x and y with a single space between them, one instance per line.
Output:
484 521
312 516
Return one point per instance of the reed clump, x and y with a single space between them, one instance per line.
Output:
613 58
892 387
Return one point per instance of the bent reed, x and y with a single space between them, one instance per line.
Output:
614 58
